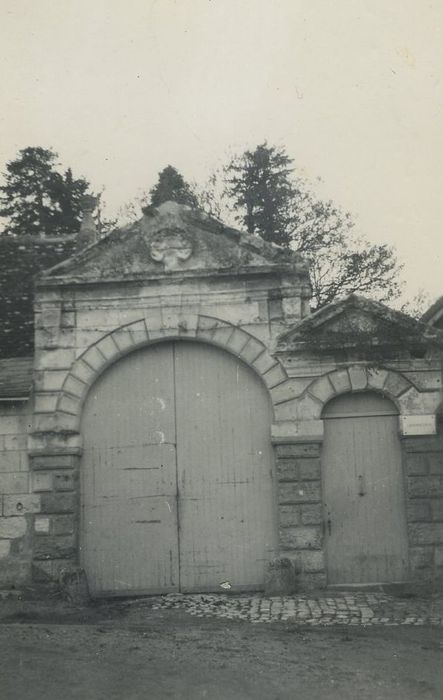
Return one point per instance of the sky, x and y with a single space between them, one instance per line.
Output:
352 89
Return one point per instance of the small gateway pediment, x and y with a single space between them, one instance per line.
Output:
173 239
357 322
353 321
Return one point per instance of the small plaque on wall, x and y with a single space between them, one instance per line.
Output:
418 425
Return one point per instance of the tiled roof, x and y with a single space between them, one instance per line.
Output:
20 260
15 377
434 315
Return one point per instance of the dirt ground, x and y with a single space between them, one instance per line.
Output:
128 652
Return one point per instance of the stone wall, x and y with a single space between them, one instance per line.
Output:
79 334
414 386
424 478
16 502
56 526
300 510
302 520
238 293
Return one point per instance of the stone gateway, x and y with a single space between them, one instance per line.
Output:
185 421
178 484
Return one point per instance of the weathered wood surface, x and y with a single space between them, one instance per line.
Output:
177 474
364 510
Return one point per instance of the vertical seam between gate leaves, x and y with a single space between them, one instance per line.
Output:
177 498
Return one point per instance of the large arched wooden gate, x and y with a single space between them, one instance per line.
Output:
363 491
177 474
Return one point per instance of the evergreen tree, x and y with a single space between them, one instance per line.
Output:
261 189
171 186
68 192
36 199
269 200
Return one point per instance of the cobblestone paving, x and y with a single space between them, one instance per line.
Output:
325 610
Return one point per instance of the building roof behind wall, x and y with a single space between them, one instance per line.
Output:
15 377
434 315
20 260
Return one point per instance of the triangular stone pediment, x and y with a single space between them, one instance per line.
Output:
174 240
357 322
351 321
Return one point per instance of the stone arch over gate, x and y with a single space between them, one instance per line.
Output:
118 343
56 481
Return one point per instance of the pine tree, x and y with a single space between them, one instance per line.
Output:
68 193
171 186
269 200
36 199
262 192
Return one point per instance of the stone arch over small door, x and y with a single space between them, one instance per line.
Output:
357 378
125 339
363 490
178 486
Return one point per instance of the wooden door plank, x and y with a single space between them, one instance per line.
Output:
364 498
129 499
227 510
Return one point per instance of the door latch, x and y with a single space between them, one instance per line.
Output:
361 486
327 523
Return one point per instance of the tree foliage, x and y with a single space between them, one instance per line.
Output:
267 198
417 305
171 186
37 199
259 185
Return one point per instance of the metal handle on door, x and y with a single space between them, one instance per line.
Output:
361 486
328 523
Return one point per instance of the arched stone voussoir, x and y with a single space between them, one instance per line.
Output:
88 367
377 378
210 323
234 339
237 341
275 375
139 331
252 350
214 329
264 364
94 358
322 389
359 377
171 323
108 347
123 340
356 378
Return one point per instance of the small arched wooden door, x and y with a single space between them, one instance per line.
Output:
177 474
364 510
